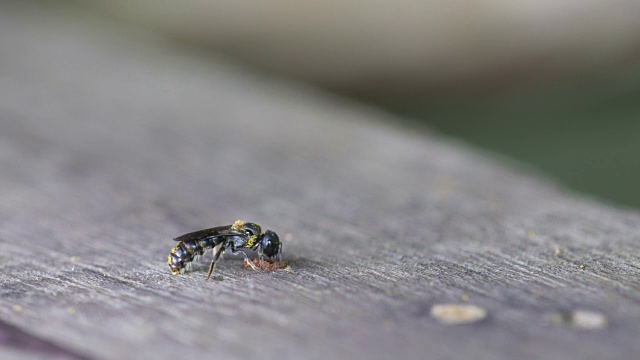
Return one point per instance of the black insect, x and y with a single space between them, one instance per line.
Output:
239 235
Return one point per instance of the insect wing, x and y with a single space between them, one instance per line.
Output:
207 233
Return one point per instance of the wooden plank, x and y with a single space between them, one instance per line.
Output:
111 147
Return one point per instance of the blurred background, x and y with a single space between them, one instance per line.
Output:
553 84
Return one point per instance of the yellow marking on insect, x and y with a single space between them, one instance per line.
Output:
252 241
238 224
189 248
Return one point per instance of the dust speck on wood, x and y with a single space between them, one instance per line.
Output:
581 319
456 314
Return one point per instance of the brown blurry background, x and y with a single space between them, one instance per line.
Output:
553 84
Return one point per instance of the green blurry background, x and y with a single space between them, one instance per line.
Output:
555 85
586 136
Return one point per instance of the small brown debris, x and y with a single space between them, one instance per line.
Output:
265 265
456 314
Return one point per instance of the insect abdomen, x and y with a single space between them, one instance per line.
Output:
187 251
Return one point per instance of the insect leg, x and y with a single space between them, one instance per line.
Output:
261 257
246 258
216 256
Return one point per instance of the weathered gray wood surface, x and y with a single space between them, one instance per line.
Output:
110 147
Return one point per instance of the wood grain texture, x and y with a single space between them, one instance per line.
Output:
111 147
